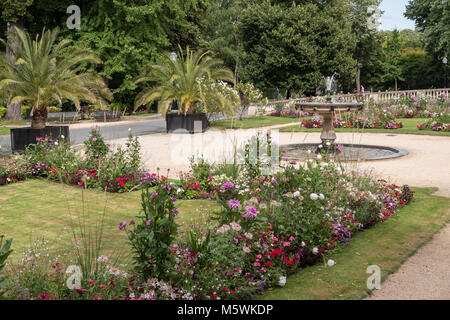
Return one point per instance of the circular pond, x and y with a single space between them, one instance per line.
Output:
349 152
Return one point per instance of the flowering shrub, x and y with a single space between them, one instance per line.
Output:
439 122
153 233
96 147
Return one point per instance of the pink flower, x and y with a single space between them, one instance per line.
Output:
286 244
291 238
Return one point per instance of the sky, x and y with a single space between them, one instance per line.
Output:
393 15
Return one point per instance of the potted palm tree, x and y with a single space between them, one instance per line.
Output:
41 75
194 80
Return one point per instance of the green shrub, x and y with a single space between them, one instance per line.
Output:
154 232
54 109
2 112
96 147
5 251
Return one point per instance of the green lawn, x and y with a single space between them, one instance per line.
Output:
387 245
409 127
143 114
38 208
5 126
253 122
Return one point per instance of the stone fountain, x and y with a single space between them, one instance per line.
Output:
345 152
327 110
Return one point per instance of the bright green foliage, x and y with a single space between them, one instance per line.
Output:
432 17
193 77
127 34
5 251
154 232
219 34
391 64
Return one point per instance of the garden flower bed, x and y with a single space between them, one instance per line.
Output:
269 227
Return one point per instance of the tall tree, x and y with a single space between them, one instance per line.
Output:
432 17
392 64
293 46
128 34
219 34
13 12
364 16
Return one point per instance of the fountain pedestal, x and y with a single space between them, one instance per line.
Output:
327 111
328 136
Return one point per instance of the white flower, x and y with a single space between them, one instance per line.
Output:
296 194
314 196
315 251
321 196
319 156
282 281
331 263
309 151
303 243
62 136
56 143
129 129
320 146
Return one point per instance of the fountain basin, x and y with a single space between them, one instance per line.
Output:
350 152
328 110
324 107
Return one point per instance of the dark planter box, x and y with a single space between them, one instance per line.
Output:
192 123
23 137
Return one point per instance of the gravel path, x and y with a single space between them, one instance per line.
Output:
425 275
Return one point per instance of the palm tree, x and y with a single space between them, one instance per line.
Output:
44 74
193 78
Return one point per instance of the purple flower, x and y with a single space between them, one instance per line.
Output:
175 212
132 221
234 204
148 223
293 162
173 199
227 185
251 212
154 195
94 139
122 225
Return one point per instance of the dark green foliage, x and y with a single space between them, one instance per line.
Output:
293 47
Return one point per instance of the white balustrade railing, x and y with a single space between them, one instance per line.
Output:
366 97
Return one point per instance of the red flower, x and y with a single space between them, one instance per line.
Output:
44 296
232 292
224 289
269 264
